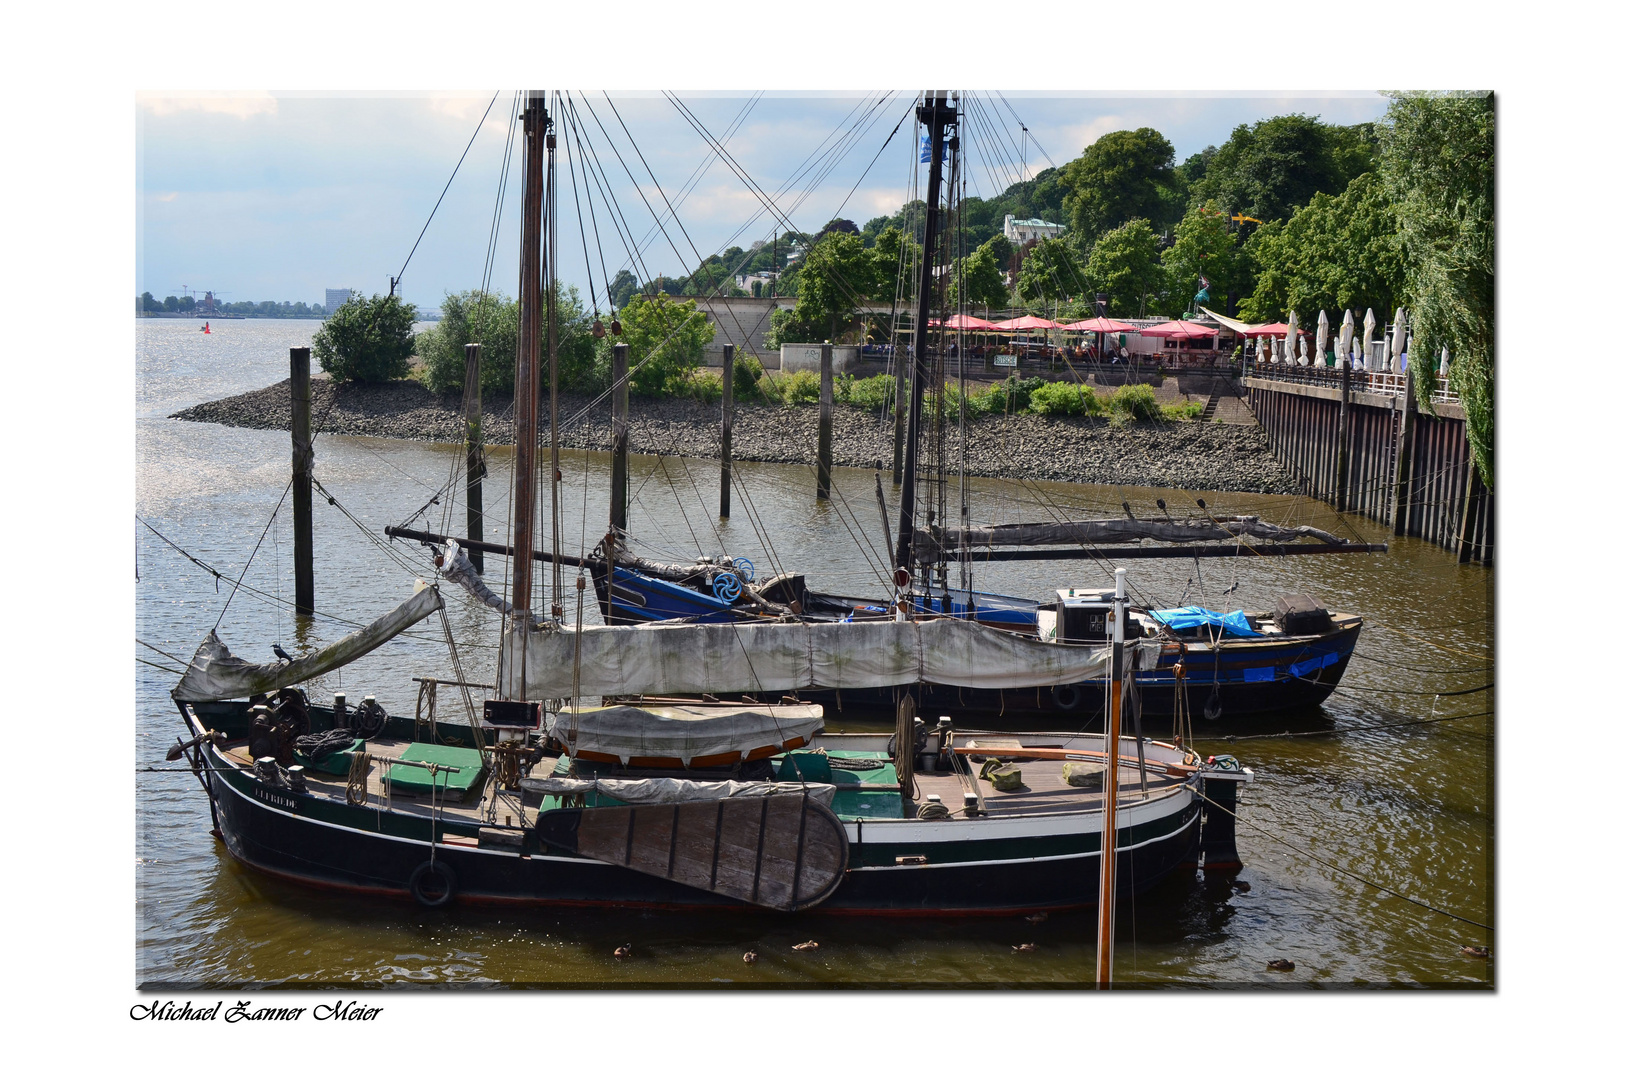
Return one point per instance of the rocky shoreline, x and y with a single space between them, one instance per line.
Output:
1083 450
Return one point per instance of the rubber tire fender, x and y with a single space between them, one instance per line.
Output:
417 880
1066 698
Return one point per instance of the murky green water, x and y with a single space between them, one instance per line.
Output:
1389 782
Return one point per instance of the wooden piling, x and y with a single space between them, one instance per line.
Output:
727 410
1406 458
305 592
619 439
475 458
1343 436
823 441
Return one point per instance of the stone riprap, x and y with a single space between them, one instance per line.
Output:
1193 456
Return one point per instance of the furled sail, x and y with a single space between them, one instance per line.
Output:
216 675
1113 531
771 657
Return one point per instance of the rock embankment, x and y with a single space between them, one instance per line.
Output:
1194 456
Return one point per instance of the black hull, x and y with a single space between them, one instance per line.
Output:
324 844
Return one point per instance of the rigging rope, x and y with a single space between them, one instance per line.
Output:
397 280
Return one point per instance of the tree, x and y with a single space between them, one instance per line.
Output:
1122 176
982 279
367 339
838 274
1269 168
665 340
150 303
491 320
889 264
1050 273
1125 264
1437 163
843 225
1335 253
621 288
1204 247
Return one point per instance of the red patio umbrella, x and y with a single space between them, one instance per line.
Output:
1178 329
963 322
1026 322
1101 326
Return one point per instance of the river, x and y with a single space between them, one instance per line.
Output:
1385 785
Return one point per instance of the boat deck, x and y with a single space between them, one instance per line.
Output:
1044 789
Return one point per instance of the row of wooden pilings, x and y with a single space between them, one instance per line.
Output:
1383 456
475 465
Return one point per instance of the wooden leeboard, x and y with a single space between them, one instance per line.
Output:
784 852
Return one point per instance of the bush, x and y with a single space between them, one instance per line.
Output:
665 339
1189 410
1134 401
876 392
705 386
493 320
1063 399
745 374
800 387
367 340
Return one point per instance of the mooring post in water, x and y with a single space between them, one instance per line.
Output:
1468 507
1406 461
823 440
727 403
305 592
619 440
475 460
1341 434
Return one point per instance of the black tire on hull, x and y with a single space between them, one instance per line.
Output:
433 870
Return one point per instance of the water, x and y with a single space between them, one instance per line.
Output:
1405 803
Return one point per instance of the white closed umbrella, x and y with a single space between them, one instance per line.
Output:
1344 343
1400 341
1369 335
1443 363
1290 339
1323 338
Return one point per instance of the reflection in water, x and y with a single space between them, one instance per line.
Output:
1383 787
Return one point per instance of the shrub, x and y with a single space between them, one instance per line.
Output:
493 320
665 338
1188 410
800 387
1134 401
367 340
1062 399
876 392
745 373
705 386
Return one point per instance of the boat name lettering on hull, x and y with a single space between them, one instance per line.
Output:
282 801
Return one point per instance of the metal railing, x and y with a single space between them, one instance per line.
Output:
1390 383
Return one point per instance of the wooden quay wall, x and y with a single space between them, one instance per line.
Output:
1407 466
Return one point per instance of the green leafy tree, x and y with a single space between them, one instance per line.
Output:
1269 168
983 279
1205 247
1051 273
1437 163
621 288
1335 253
368 339
151 303
1122 176
491 320
1125 264
839 274
665 339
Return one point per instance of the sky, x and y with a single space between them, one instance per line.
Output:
278 196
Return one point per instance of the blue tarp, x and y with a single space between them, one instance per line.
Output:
1187 618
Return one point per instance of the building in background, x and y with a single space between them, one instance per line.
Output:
333 298
1020 230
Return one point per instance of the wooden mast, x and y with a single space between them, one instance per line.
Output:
1112 791
534 120
936 115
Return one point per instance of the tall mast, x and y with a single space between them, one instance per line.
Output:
936 115
533 121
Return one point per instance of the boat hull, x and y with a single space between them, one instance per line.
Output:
957 867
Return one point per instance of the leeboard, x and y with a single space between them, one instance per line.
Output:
785 852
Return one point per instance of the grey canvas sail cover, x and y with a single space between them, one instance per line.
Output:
1115 531
685 732
698 658
660 790
216 675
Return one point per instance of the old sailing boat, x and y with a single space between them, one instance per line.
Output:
559 802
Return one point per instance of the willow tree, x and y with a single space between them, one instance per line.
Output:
1437 162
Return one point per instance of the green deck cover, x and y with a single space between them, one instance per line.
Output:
849 805
456 785
335 763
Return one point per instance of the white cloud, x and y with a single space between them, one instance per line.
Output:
239 103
